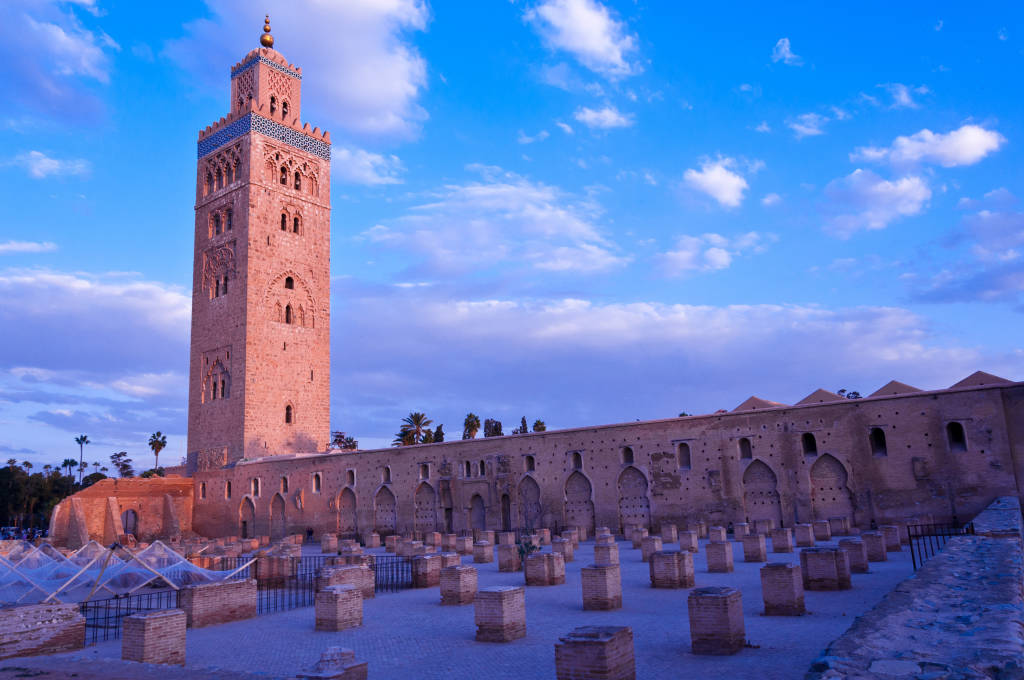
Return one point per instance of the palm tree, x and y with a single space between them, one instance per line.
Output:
81 440
96 466
471 426
12 462
27 465
157 442
68 464
47 468
416 423
104 469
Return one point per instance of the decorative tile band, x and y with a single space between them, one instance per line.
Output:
242 68
252 122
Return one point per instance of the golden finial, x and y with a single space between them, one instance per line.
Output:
266 39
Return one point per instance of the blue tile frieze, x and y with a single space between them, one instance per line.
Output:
252 122
257 59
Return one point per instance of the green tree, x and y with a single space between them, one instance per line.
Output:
68 464
404 438
471 426
428 437
539 426
81 440
684 414
157 442
27 464
523 428
418 423
492 428
439 434
122 463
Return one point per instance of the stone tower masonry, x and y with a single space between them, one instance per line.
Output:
259 376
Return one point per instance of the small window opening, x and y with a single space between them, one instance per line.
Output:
469 469
350 477
202 490
288 415
220 178
284 175
424 471
683 450
255 487
385 475
229 219
216 288
284 109
284 222
216 224
531 464
209 183
289 283
627 456
957 437
298 180
483 470
316 482
577 461
284 485
745 451
288 314
273 104
877 439
227 490
295 225
810 444
223 390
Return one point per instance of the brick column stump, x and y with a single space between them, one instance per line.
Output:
803 535
448 542
569 534
338 608
891 532
717 534
825 569
544 569
483 552
669 533
672 569
506 538
372 540
464 545
154 637
840 526
739 530
606 553
782 540
720 560
874 546
602 587
213 603
596 653
329 543
458 585
716 620
426 571
508 558
336 663
763 526
782 588
604 539
360 576
563 546
858 553
754 548
500 614
450 559
688 541
822 530
649 546
391 543
637 537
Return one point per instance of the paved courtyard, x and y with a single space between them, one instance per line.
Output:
409 634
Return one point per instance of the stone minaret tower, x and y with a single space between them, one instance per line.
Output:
259 379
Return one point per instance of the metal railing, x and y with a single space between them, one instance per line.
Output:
928 539
103 618
391 573
284 594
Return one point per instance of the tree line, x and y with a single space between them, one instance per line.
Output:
415 429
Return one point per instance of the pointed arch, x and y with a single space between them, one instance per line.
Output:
384 512
246 518
347 513
425 499
278 521
130 522
477 512
830 497
529 503
579 504
634 505
761 493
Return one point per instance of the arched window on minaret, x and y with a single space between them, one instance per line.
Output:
224 286
288 415
284 222
298 180
220 178
289 283
228 218
239 104
295 225
284 175
273 104
209 183
288 314
284 109
216 224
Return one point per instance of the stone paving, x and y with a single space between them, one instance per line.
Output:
409 634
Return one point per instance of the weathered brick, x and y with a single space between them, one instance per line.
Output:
458 585
716 620
596 653
500 614
154 637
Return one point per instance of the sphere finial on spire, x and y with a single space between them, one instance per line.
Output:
266 39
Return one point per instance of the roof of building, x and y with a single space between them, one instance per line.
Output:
754 403
819 396
981 378
894 387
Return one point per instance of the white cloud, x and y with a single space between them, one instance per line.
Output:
564 127
784 53
502 219
27 247
1003 34
587 30
710 252
360 69
865 201
357 166
903 95
523 138
964 146
771 199
718 179
606 118
808 125
763 127
41 166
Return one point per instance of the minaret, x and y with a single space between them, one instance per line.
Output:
259 379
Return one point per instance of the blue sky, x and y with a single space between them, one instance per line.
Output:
579 211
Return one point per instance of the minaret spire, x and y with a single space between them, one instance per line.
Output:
266 39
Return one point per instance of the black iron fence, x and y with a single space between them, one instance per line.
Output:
284 594
103 617
928 539
391 573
